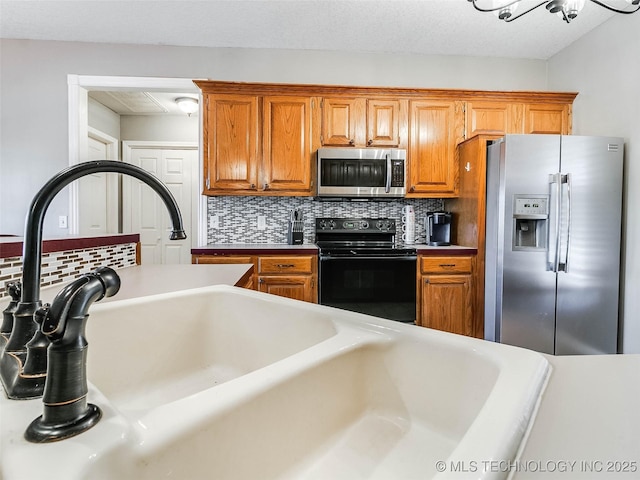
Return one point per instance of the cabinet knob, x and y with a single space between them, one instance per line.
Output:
253 186
370 142
426 280
266 186
352 142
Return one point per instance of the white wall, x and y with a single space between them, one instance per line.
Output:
173 128
33 93
103 118
604 66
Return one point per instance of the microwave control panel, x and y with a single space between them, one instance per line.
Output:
397 173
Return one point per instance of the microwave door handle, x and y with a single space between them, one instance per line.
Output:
387 186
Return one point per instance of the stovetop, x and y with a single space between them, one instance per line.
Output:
358 236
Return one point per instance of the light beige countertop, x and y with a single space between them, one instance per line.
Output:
588 423
144 280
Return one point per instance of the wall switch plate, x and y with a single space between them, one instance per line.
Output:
62 221
214 221
262 222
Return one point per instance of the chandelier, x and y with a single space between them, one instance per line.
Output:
567 10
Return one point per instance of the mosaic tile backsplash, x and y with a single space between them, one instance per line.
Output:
58 267
238 216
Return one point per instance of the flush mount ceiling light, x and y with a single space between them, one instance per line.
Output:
567 10
189 105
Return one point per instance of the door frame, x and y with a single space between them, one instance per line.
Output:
113 208
78 98
129 145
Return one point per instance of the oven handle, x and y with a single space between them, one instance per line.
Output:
369 257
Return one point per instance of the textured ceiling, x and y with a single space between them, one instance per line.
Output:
447 27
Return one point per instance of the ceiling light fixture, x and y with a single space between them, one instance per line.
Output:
189 105
567 10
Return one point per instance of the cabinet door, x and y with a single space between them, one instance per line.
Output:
435 129
231 143
547 118
446 303
286 163
298 287
494 118
383 123
340 121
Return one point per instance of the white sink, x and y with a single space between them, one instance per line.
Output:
232 384
174 345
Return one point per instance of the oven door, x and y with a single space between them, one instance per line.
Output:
383 286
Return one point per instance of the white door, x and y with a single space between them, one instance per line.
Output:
144 211
98 195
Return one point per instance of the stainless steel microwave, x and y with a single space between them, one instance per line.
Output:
362 172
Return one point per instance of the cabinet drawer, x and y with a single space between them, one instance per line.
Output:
292 264
221 259
445 264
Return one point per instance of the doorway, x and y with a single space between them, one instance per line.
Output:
80 142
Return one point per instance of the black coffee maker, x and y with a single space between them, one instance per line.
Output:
438 229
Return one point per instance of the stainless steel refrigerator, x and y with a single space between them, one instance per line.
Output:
554 208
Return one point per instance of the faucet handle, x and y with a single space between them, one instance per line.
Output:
41 313
15 290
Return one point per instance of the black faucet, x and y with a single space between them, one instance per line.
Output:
23 363
66 411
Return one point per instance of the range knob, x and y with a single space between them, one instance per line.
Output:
383 224
322 224
364 225
331 224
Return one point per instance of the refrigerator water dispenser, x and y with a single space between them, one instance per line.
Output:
530 218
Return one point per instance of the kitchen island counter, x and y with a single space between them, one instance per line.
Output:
588 423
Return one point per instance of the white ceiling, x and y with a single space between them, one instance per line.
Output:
447 27
134 102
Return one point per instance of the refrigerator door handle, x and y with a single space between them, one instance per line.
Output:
553 237
565 237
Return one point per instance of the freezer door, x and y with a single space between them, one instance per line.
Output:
525 297
587 303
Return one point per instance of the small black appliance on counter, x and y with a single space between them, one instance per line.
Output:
438 227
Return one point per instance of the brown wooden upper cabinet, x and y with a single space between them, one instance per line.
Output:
547 118
258 145
493 118
287 150
231 143
361 122
261 138
435 128
499 118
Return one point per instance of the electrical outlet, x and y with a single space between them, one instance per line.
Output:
262 222
214 221
62 221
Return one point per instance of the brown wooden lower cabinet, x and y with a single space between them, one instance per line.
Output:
445 294
291 276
